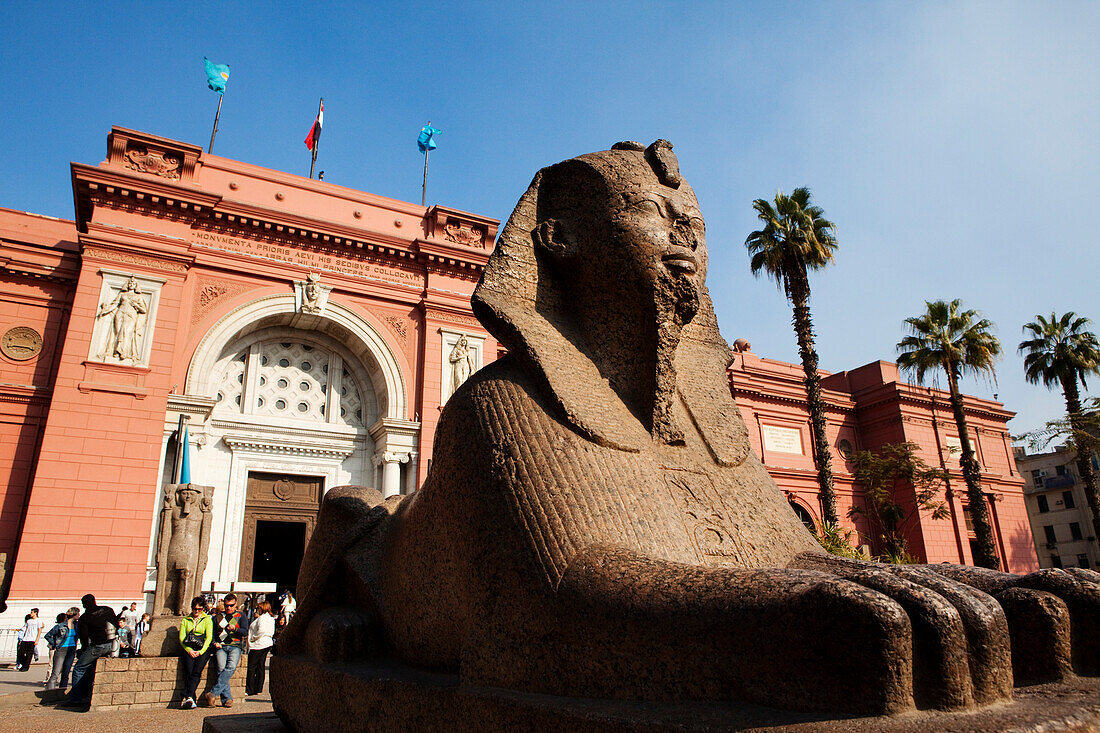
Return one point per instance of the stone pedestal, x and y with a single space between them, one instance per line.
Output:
163 639
397 698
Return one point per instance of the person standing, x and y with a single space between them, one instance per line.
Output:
64 653
28 637
140 630
261 635
125 639
289 607
196 636
132 616
229 635
96 631
53 638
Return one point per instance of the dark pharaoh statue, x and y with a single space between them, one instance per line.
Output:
594 524
182 547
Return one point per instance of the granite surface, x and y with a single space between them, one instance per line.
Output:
594 525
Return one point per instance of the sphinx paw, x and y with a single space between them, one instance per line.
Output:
960 636
341 634
1080 593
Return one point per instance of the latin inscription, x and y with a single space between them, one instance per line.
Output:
782 440
306 258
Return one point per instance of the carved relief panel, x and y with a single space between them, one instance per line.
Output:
125 318
461 357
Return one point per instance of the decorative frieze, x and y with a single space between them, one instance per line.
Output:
211 292
131 258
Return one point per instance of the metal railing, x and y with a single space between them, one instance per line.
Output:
9 641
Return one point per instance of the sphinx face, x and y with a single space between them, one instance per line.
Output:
658 237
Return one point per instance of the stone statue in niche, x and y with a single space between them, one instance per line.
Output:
462 362
311 295
595 525
182 547
127 333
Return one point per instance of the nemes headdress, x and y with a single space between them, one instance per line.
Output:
517 302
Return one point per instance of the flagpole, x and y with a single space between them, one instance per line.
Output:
317 141
424 188
216 116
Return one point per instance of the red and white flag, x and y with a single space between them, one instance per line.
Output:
315 132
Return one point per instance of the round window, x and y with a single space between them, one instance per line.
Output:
303 407
844 448
280 404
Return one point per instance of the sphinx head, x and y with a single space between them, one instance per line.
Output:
622 224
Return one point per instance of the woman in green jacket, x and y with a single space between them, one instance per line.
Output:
196 633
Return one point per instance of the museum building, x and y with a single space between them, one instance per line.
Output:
867 408
308 336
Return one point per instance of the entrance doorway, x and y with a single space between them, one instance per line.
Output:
278 553
279 515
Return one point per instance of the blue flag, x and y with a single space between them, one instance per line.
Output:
426 141
185 460
216 75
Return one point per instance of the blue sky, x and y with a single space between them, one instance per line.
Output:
954 144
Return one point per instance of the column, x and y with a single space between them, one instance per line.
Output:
391 471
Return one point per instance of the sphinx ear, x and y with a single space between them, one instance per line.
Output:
552 237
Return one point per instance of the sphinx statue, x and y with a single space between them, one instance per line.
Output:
594 524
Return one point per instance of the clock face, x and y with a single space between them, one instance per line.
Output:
21 343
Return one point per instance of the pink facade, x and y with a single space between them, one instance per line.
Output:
868 407
225 257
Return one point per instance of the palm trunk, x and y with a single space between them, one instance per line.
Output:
1084 442
803 329
986 555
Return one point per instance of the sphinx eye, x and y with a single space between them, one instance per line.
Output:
649 205
698 224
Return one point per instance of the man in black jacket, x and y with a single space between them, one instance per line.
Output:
96 630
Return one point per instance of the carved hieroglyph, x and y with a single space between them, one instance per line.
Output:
125 318
594 523
182 547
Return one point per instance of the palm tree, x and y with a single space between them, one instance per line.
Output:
797 238
1059 352
959 342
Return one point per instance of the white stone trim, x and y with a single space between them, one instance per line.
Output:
338 321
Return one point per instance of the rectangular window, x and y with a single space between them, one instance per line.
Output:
1049 529
1043 505
1067 500
1037 477
1075 530
1055 561
1082 561
969 520
1060 470
1095 464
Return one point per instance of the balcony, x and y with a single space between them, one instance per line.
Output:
1058 482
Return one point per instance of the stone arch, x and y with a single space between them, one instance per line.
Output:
339 321
803 512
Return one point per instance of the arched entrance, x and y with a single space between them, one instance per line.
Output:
283 406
